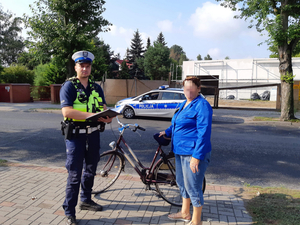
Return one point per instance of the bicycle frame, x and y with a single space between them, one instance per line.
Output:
145 173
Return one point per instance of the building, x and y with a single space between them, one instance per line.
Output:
240 72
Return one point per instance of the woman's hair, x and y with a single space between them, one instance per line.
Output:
195 80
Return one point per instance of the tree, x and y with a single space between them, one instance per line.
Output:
11 43
281 20
136 48
124 73
182 58
148 43
227 57
207 57
161 39
175 70
157 61
60 28
135 53
103 56
199 57
175 52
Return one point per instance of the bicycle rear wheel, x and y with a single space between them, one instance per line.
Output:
166 186
108 170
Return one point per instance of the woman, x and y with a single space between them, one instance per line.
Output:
190 134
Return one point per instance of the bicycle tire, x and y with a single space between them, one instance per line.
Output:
169 191
108 170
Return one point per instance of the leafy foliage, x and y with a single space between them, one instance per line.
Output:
124 73
161 39
136 52
175 52
148 43
62 27
17 74
281 20
199 57
157 61
207 57
176 70
11 43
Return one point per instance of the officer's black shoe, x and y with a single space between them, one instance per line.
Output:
91 205
71 220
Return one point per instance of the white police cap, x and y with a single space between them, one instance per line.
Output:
83 57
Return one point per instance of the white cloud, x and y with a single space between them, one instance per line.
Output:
179 16
113 30
214 53
165 25
212 21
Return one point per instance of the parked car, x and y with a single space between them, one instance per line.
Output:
161 102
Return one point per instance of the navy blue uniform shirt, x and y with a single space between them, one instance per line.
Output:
68 93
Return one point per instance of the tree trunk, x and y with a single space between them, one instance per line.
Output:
70 68
285 68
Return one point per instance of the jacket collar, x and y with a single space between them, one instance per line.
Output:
191 103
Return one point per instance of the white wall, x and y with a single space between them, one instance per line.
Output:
241 72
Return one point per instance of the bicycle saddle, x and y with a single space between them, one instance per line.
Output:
163 140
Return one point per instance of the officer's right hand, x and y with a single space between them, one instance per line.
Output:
105 120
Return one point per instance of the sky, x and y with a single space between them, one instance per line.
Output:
199 27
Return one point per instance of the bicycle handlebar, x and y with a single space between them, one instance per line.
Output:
135 126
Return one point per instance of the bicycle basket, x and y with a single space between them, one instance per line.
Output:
164 141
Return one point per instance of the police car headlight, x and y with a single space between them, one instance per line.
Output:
118 103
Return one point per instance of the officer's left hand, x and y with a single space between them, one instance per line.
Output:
105 120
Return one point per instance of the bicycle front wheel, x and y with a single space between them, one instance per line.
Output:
108 170
166 186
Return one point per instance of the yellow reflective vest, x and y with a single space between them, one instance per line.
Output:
83 103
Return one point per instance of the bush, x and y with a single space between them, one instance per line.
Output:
40 75
48 74
17 74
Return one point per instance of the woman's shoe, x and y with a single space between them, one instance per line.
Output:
180 216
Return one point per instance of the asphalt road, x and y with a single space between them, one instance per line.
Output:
243 152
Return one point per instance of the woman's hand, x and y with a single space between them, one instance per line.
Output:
162 133
194 164
105 120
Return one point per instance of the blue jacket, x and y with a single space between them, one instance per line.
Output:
191 129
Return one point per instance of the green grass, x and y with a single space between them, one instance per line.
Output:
260 118
280 206
3 162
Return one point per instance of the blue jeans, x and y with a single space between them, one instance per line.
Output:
189 183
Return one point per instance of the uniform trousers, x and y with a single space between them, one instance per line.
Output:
82 154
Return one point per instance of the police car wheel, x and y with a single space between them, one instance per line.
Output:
128 113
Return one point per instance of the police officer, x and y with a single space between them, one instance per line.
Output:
80 98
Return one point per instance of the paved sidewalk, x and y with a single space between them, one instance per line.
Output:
31 194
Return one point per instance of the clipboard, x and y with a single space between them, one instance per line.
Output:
110 113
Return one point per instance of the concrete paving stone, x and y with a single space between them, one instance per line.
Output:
9 221
46 218
35 216
3 219
243 219
221 212
210 215
223 218
13 213
94 222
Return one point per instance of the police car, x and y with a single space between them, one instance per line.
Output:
161 102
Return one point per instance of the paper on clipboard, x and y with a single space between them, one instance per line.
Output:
109 112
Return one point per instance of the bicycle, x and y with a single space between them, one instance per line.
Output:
160 173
